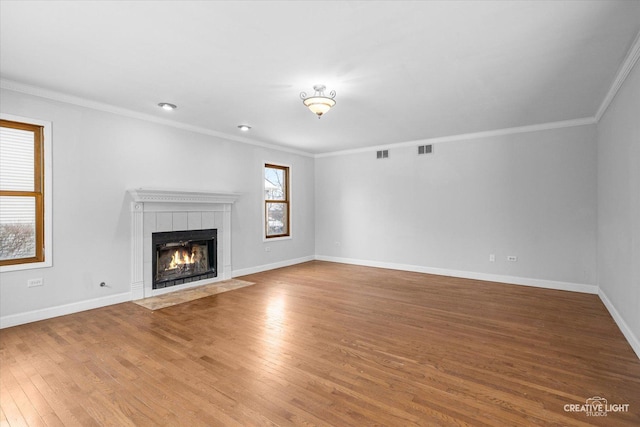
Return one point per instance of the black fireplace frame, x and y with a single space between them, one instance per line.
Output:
185 237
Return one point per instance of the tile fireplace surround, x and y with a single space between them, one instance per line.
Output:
157 210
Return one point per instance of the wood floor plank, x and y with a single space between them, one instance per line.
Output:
3 419
10 410
325 344
34 402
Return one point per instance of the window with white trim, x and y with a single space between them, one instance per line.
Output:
24 213
277 204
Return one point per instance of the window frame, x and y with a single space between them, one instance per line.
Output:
286 201
42 194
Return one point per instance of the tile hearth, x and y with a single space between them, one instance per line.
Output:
186 295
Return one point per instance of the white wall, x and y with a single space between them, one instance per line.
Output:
532 195
619 207
97 156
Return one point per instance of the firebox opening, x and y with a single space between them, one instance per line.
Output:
183 256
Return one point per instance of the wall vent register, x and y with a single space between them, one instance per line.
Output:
382 154
425 149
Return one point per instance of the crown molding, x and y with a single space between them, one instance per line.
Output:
624 70
475 135
630 60
100 106
621 76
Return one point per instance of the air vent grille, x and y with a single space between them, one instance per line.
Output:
382 154
425 149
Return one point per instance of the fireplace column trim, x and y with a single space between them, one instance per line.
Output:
137 239
176 202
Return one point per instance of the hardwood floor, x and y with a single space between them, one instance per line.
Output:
326 344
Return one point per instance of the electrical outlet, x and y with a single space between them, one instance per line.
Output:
512 258
32 283
492 257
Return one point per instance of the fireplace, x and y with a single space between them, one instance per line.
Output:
165 210
183 256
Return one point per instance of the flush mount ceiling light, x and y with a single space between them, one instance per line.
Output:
319 103
167 106
244 128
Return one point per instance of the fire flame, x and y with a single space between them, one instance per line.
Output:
179 259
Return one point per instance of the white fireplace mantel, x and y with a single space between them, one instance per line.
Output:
151 195
155 210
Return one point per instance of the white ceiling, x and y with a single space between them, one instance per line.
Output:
403 71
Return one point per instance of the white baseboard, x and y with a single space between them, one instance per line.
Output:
514 280
47 313
61 310
626 330
548 284
273 266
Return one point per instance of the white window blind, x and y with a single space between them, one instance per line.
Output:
16 159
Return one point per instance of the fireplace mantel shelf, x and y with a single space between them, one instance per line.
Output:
152 195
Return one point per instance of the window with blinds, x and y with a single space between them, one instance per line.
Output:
21 193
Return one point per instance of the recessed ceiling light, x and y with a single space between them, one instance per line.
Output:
244 128
167 106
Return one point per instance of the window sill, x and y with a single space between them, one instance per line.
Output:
275 239
29 266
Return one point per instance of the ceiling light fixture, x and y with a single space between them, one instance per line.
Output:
244 128
319 103
167 106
